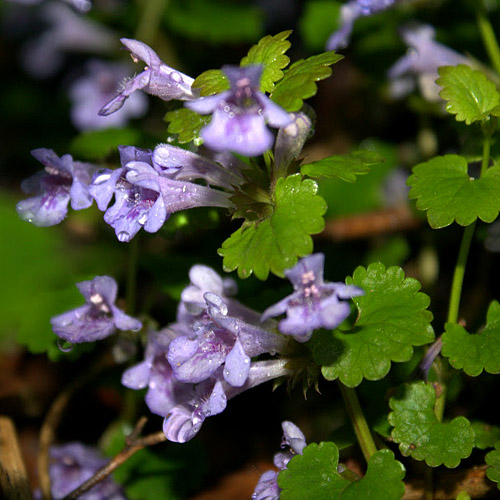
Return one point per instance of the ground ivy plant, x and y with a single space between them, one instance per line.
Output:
234 142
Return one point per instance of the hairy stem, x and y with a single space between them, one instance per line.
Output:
358 420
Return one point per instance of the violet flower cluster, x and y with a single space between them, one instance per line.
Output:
192 367
239 115
267 488
151 185
74 463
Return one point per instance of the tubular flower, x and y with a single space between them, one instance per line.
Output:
240 114
349 12
157 79
267 488
313 304
148 188
63 180
99 318
421 63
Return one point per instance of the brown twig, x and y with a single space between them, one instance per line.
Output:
51 422
133 444
13 478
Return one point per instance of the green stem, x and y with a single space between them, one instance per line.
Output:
358 420
489 40
458 276
132 274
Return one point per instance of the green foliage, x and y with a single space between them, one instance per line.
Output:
419 432
273 244
442 186
392 318
345 167
97 144
477 352
486 435
212 81
39 266
270 53
300 80
314 475
319 20
493 460
186 123
469 94
216 21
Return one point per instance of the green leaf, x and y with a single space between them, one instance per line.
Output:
493 460
273 244
474 352
314 475
345 167
299 80
392 318
470 95
187 124
270 52
486 434
97 144
215 21
212 81
442 186
421 435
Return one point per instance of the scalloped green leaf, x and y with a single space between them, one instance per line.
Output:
474 352
314 475
392 318
212 81
443 188
486 434
187 124
493 460
273 244
419 433
469 94
300 79
345 167
270 52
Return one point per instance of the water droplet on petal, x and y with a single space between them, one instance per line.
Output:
100 179
176 77
123 236
143 219
64 345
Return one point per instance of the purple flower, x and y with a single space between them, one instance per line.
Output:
148 191
95 88
267 488
155 373
240 114
96 320
63 180
421 63
157 79
220 340
68 32
314 303
74 463
210 397
349 12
